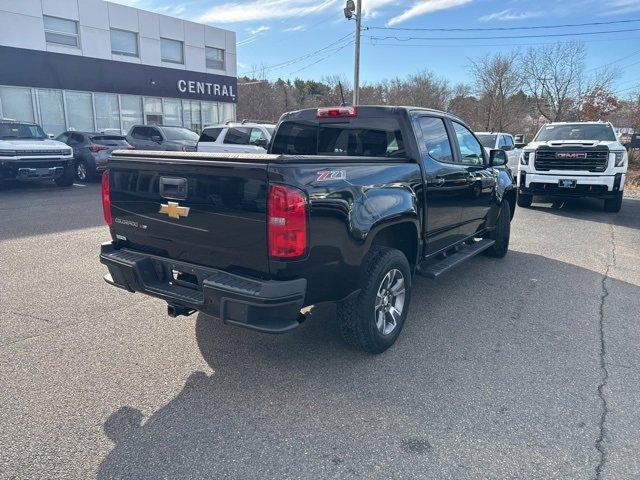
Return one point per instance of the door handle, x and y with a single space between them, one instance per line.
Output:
438 182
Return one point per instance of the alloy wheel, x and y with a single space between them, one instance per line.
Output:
390 302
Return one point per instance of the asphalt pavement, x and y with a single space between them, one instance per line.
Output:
525 367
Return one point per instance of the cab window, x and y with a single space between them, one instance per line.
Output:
256 134
435 139
469 148
237 136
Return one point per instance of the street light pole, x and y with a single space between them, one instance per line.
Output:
356 67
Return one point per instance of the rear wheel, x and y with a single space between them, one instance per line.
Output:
373 320
67 178
501 233
613 205
84 172
525 200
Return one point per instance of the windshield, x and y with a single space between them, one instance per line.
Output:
487 141
21 130
179 133
576 131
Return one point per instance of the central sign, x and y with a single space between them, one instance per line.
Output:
206 88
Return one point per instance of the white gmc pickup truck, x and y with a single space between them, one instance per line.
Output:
581 159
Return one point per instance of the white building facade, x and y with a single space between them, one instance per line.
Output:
91 65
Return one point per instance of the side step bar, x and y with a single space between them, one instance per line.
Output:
436 268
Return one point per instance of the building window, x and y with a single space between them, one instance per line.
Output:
191 115
51 111
215 58
152 111
172 112
124 43
79 111
171 51
61 31
16 103
131 111
107 112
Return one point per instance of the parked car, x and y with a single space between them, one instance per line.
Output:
162 137
91 151
27 153
574 159
351 203
502 141
236 138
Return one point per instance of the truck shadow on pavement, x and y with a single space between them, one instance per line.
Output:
497 371
591 210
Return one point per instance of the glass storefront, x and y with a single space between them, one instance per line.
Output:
58 111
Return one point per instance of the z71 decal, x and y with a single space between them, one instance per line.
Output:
330 175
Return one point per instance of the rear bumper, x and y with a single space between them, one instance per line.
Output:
264 305
601 186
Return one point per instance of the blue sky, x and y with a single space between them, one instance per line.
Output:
310 38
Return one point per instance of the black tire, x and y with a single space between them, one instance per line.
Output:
358 317
613 205
501 233
525 200
67 178
85 172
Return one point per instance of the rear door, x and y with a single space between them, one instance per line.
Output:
209 140
242 139
446 183
141 138
210 212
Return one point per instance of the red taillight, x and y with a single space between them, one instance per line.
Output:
287 222
106 198
97 148
337 112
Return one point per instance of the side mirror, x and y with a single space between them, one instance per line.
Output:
520 145
497 158
157 138
261 142
506 148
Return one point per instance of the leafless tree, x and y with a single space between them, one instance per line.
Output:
554 75
497 81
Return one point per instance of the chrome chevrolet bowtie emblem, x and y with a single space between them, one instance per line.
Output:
174 210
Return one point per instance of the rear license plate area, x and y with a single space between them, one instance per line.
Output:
567 183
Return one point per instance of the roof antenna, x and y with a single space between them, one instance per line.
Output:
343 104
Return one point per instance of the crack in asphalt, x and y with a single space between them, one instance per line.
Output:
600 441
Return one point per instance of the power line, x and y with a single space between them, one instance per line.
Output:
548 35
302 57
349 43
467 45
616 61
530 27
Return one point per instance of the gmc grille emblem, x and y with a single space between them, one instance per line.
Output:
570 155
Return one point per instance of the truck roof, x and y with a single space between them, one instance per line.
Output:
373 109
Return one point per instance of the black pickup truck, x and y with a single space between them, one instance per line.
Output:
348 204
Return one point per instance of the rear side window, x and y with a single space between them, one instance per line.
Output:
238 136
435 139
371 137
210 134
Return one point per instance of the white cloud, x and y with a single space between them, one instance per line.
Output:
297 28
371 8
616 7
260 29
507 15
257 10
426 6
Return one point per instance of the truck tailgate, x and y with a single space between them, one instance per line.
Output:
205 210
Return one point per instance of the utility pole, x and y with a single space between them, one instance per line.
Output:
349 14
